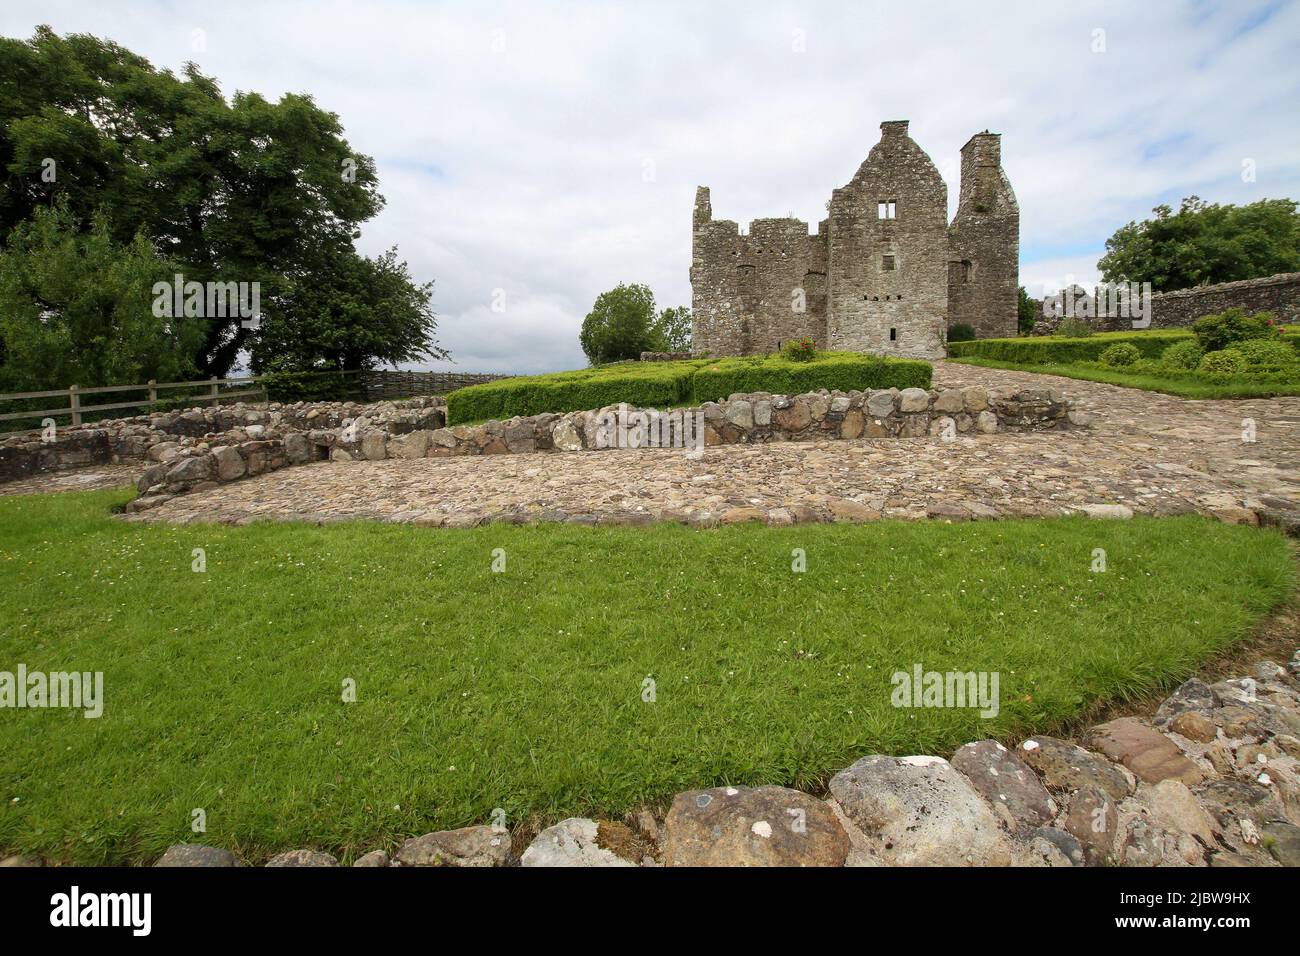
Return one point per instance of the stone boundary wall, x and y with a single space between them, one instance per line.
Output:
199 464
666 356
133 439
1212 780
1279 294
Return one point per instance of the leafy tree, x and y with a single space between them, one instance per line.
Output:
1027 311
349 312
77 307
673 328
620 325
242 190
1205 243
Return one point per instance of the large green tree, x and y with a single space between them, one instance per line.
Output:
76 307
673 327
237 190
349 312
619 325
1205 243
623 323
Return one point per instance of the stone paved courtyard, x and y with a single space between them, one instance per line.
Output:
82 479
1152 453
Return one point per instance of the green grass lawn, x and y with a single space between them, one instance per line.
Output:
1078 358
523 689
1185 386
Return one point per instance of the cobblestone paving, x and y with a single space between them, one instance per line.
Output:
1151 453
80 479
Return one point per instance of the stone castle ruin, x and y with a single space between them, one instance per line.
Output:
885 273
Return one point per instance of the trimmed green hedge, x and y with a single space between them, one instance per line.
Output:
1049 349
647 384
845 371
671 384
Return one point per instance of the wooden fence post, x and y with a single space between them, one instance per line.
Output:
214 390
74 404
153 392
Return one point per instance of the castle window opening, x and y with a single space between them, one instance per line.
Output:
886 209
893 335
887 263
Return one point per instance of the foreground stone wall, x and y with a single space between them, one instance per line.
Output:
186 463
1279 294
133 439
1213 780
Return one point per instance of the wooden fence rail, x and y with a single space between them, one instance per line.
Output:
75 408
371 385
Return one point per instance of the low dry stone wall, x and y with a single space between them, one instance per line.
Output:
1279 294
666 356
1212 780
189 464
136 438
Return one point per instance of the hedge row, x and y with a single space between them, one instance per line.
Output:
670 384
843 371
1050 349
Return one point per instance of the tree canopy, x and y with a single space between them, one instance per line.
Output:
349 312
622 324
1027 310
76 308
1204 243
674 328
243 190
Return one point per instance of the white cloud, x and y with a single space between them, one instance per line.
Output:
511 138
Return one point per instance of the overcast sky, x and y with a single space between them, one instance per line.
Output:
552 150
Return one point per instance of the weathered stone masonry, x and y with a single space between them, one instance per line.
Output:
885 273
1279 294
201 463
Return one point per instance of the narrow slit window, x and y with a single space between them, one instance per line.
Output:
893 335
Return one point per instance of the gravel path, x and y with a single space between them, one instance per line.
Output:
1153 453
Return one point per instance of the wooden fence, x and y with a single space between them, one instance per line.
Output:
77 408
370 385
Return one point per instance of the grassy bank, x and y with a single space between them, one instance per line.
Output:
1186 385
525 689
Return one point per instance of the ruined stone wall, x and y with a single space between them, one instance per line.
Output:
752 293
160 436
889 276
984 244
1279 294
664 356
178 467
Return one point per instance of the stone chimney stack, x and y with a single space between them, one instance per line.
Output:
703 206
981 160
